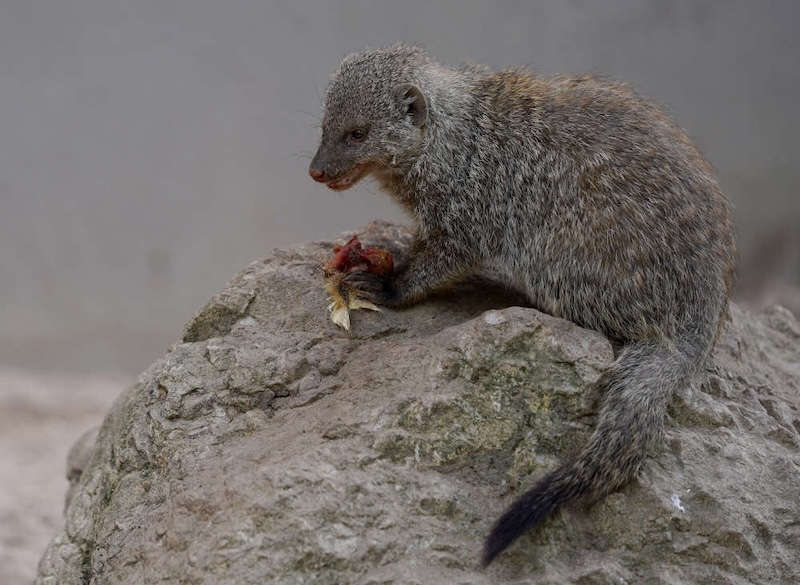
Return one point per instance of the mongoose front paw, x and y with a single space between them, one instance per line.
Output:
372 287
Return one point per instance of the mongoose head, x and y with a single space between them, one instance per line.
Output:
375 116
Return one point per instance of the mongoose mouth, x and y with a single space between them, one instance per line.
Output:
348 180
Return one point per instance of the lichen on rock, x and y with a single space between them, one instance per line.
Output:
268 446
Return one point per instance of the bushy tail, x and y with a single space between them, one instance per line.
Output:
637 389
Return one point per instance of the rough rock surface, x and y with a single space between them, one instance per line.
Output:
270 447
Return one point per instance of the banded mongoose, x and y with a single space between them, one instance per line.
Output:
580 193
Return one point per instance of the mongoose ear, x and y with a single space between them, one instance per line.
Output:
414 104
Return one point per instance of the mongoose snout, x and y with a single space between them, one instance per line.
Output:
319 175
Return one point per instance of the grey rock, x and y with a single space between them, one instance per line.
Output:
268 446
78 459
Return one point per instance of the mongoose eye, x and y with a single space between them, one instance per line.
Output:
356 135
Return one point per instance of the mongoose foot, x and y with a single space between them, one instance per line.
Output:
371 287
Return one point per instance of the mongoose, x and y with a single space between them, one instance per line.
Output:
580 193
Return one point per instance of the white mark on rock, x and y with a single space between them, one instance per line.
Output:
493 318
246 323
676 501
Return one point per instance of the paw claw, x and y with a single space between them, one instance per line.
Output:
366 286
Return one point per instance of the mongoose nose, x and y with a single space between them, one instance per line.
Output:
318 174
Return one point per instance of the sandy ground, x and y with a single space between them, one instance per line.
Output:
41 415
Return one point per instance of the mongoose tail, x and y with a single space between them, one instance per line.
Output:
637 389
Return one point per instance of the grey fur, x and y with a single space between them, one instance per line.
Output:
580 193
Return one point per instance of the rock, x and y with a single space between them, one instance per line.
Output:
78 460
268 446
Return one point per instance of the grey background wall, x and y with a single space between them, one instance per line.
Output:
150 149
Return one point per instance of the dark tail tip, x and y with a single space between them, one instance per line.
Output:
528 511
